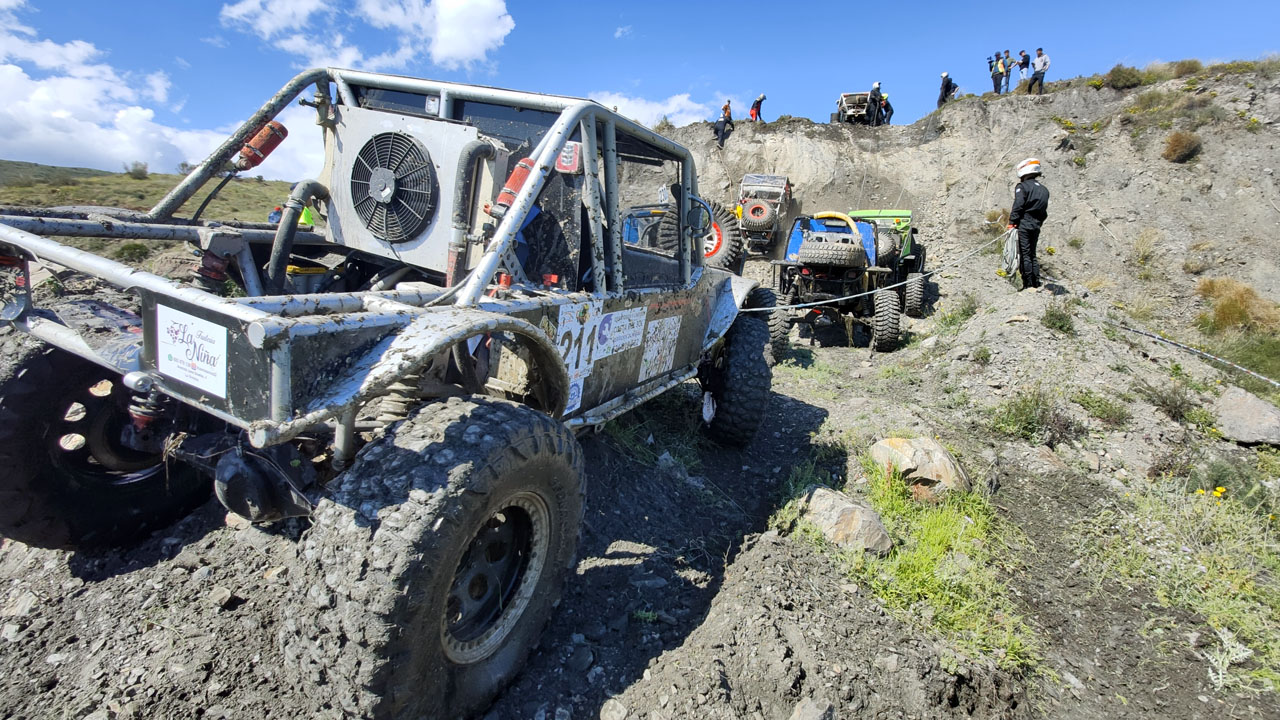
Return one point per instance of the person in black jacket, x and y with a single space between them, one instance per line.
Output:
1030 209
947 90
873 105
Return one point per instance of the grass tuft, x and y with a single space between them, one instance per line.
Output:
1034 415
1058 316
1173 399
1113 413
952 318
1236 306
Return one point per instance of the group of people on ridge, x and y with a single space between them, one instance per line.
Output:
1001 68
724 125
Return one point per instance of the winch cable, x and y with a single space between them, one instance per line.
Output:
1188 348
953 263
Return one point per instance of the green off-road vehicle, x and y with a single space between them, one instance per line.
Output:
468 307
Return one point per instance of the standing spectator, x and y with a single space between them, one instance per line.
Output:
1030 209
997 72
873 104
886 110
724 125
1008 70
1039 66
755 109
1024 62
947 90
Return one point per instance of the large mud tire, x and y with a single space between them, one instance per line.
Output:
739 381
435 562
723 245
758 216
779 345
65 479
913 295
885 325
819 252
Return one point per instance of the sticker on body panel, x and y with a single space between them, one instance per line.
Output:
576 337
191 350
659 347
620 330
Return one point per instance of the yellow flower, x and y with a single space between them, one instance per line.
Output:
1200 491
1220 489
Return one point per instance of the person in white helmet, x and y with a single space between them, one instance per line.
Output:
1030 209
754 114
948 89
873 104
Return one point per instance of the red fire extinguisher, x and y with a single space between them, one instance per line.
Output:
258 147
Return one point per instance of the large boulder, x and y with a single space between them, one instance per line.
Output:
1247 418
922 461
845 522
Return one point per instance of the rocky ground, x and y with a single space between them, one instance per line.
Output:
684 604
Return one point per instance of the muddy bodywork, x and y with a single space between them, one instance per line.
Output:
538 300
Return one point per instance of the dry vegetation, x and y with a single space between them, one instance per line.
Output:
1181 146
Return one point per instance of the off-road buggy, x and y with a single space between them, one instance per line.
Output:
868 264
763 203
469 305
852 108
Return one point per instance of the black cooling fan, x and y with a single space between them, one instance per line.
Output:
393 187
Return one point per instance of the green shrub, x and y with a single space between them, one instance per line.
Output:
1057 316
1173 399
1181 146
664 126
132 252
950 319
1076 242
1183 68
1096 82
982 355
137 170
1123 77
1035 416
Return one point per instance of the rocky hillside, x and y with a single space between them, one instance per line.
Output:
1115 556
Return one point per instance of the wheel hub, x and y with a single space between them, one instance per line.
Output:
495 579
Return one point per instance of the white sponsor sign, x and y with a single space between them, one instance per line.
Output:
191 350
659 347
620 330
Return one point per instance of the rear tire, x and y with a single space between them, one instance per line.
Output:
758 216
436 561
913 295
738 381
885 325
779 345
723 245
819 252
67 480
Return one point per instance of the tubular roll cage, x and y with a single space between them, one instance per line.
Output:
269 322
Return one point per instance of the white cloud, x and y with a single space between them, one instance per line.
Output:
157 86
452 33
268 18
181 62
63 109
215 40
622 31
679 109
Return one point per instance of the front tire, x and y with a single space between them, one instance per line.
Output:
779 345
66 480
885 325
436 562
738 382
913 295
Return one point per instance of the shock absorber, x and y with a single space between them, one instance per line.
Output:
151 421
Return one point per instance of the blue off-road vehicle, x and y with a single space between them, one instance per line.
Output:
866 267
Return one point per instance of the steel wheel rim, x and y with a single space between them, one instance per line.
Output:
714 240
83 439
496 578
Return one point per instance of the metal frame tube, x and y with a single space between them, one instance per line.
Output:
123 276
249 270
281 383
198 177
112 228
611 203
591 198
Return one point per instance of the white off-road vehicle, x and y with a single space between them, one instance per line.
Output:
466 307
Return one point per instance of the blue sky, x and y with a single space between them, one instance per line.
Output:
100 84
